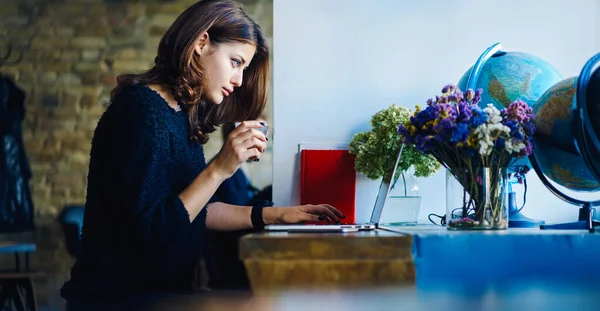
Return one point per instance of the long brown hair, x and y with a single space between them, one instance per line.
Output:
178 68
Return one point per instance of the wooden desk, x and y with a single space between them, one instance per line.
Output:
308 260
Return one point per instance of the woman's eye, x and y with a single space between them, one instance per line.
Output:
236 62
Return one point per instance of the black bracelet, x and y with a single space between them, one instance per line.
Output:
256 216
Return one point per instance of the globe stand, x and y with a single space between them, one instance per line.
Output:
516 219
586 212
586 221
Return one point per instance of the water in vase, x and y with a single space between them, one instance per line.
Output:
401 210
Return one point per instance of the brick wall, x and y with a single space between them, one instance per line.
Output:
72 51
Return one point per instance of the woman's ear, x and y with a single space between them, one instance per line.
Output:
201 44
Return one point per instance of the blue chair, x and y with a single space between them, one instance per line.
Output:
71 220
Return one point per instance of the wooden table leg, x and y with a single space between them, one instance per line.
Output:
17 296
27 285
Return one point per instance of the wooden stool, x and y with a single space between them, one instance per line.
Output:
17 284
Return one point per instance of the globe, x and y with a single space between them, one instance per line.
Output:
554 148
509 76
567 147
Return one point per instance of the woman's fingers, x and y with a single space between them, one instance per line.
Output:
323 210
242 137
254 142
311 217
334 210
245 138
244 126
315 218
252 154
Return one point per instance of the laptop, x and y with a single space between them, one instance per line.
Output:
384 189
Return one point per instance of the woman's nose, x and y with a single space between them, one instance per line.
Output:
236 79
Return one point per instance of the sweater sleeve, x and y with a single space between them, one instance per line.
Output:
159 222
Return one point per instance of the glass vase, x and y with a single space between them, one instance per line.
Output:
477 199
404 201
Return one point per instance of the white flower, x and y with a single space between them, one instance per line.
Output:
484 148
488 134
484 140
514 145
493 114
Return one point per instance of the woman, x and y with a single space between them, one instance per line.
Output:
150 194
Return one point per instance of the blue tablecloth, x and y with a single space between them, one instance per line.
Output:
486 258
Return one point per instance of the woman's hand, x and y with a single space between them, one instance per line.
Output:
243 143
302 213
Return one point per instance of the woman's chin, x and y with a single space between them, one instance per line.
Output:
216 99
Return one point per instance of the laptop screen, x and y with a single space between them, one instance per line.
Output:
384 189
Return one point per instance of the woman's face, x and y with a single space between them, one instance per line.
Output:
224 66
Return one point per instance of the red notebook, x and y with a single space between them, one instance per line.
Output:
328 177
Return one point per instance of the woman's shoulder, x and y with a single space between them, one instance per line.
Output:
137 97
136 107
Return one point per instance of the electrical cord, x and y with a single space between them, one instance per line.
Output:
442 219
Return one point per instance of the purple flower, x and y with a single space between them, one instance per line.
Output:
470 95
446 111
448 88
456 97
529 129
528 149
520 172
424 143
464 112
477 97
429 114
518 111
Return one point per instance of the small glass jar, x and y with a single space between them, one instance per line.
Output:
404 201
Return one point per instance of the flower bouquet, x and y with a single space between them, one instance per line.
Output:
477 146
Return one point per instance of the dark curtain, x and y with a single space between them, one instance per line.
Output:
16 207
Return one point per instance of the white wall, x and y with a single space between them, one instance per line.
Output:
337 62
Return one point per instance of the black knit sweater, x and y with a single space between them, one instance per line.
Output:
136 232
